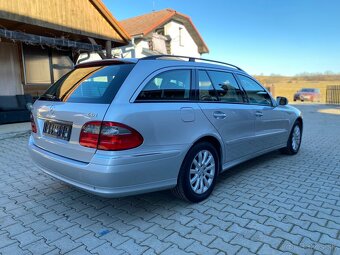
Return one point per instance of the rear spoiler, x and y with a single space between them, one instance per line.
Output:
106 62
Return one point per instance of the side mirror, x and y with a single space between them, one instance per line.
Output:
282 100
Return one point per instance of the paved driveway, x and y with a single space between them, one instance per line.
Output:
269 205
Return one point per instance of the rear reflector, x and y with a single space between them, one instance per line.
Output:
33 125
109 136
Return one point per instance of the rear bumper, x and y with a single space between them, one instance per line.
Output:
118 176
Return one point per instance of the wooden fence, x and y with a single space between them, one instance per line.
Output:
333 94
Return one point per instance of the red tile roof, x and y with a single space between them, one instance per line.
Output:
147 23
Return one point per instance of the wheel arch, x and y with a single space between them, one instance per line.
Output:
300 121
182 189
216 142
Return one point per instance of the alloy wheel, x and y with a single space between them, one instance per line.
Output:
202 171
296 138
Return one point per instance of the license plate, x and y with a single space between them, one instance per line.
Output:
57 130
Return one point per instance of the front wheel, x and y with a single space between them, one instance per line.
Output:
294 140
197 176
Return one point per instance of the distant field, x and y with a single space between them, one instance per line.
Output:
287 86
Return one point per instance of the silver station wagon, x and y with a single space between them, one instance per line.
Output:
126 126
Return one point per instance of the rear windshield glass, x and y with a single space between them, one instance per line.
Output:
97 84
308 90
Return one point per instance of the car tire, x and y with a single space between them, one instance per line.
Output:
294 140
197 176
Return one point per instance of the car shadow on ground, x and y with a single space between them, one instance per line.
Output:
250 164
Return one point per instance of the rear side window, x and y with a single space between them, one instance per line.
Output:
97 84
226 87
256 94
171 85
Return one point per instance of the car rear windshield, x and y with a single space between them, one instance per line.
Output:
93 84
308 90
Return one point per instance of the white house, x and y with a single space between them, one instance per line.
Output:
161 32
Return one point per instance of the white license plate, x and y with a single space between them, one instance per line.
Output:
57 130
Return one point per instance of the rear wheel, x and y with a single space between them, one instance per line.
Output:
294 140
198 173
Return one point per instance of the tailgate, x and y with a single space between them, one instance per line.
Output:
80 96
56 115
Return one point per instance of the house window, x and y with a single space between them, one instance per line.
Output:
61 64
44 66
180 36
37 65
160 31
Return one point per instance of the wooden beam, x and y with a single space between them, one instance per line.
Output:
108 48
49 41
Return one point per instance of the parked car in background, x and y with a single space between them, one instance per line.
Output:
308 94
126 126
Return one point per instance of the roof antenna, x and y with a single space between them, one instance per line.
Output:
153 5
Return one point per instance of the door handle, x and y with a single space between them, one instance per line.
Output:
258 114
219 115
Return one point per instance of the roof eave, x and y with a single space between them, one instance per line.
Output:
202 47
109 17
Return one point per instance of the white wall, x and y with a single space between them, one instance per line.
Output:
129 51
139 48
93 57
188 46
135 51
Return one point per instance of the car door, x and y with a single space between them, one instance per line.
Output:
271 121
222 102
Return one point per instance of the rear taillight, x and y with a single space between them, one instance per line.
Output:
109 136
89 134
33 125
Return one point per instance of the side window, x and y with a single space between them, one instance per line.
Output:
205 87
226 87
169 85
256 94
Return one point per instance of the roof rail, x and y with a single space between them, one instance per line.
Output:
190 59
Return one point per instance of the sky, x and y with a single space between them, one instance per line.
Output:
285 37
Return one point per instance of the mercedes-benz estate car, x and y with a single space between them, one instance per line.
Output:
126 126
